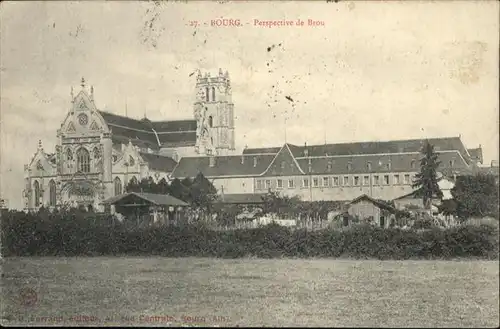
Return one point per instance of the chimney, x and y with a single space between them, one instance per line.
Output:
306 151
211 161
255 162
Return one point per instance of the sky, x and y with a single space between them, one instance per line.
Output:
373 71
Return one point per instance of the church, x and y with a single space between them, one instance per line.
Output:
98 153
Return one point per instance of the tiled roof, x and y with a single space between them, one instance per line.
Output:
223 166
168 133
156 199
187 138
378 203
242 198
159 162
357 148
476 154
379 163
268 150
179 125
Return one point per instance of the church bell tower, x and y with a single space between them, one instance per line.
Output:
214 113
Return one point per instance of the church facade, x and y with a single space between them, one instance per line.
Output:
98 153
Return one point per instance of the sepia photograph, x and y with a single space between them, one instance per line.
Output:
249 163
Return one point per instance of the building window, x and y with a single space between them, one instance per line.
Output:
52 193
69 154
83 158
36 187
118 186
346 181
213 94
291 183
305 182
97 153
356 180
259 185
386 179
369 165
207 95
335 181
315 182
268 184
396 180
376 180
326 181
407 179
279 183
210 121
366 180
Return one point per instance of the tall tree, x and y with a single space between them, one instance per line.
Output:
202 192
476 196
426 181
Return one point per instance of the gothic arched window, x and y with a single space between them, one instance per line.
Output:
118 186
69 154
210 121
52 192
36 187
213 94
134 180
207 94
83 160
97 153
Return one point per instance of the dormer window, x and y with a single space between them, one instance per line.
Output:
255 161
242 159
211 161
329 165
283 163
413 164
369 165
349 166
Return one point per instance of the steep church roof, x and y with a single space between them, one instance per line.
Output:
159 162
149 133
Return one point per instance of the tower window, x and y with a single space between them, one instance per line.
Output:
36 187
210 121
118 186
52 193
213 94
207 95
83 158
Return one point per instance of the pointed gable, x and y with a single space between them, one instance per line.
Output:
284 164
71 127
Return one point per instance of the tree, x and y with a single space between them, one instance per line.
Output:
202 192
426 181
476 196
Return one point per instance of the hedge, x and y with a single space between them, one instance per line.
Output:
74 234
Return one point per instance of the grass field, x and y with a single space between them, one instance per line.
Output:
250 292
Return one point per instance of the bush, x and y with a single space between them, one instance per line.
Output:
76 234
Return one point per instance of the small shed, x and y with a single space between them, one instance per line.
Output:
148 207
365 208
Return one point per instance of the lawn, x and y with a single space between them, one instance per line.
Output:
250 292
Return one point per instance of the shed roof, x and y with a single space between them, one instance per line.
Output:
154 199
